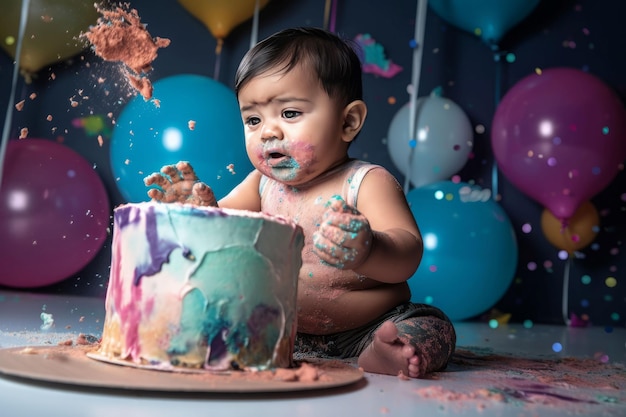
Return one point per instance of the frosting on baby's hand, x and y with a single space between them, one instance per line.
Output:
179 183
344 237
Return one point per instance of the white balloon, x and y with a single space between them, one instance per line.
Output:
443 140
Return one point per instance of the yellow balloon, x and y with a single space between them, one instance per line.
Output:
578 232
52 30
221 16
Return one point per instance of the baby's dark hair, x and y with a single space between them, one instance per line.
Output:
332 58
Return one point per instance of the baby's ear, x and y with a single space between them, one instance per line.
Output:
354 115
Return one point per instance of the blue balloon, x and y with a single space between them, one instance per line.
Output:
488 19
190 118
470 249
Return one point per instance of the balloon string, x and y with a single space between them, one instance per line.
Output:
254 36
333 16
218 59
497 95
420 28
564 301
330 15
326 13
6 130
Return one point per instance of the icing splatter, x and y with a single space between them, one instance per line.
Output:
120 36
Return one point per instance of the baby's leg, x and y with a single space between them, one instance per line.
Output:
414 346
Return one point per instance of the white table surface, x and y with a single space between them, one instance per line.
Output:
376 395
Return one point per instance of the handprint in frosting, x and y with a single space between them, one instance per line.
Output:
179 183
344 237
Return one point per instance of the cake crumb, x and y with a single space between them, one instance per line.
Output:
23 133
28 351
403 377
285 374
86 339
19 106
305 373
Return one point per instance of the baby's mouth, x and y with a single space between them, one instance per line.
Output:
278 160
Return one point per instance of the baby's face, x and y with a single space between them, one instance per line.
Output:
293 129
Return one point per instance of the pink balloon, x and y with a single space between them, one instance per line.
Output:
560 137
54 213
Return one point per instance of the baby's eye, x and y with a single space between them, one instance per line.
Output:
252 121
290 114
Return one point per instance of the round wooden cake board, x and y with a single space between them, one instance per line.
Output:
83 366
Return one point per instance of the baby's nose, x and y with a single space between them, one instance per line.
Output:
271 131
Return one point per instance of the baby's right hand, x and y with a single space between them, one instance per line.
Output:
179 183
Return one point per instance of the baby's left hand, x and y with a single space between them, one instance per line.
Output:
344 238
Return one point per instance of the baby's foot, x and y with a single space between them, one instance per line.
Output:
387 354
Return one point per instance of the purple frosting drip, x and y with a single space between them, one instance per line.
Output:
262 316
122 217
159 249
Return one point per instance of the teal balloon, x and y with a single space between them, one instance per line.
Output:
443 142
190 118
470 249
488 19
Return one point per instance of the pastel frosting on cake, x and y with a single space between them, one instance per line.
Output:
201 287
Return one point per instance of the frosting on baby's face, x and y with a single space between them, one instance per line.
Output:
293 129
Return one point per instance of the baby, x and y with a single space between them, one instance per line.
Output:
300 97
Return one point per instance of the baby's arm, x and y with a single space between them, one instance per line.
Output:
384 243
245 196
179 183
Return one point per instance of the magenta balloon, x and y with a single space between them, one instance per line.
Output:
560 137
54 213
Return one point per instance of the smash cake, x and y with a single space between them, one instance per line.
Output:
201 288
